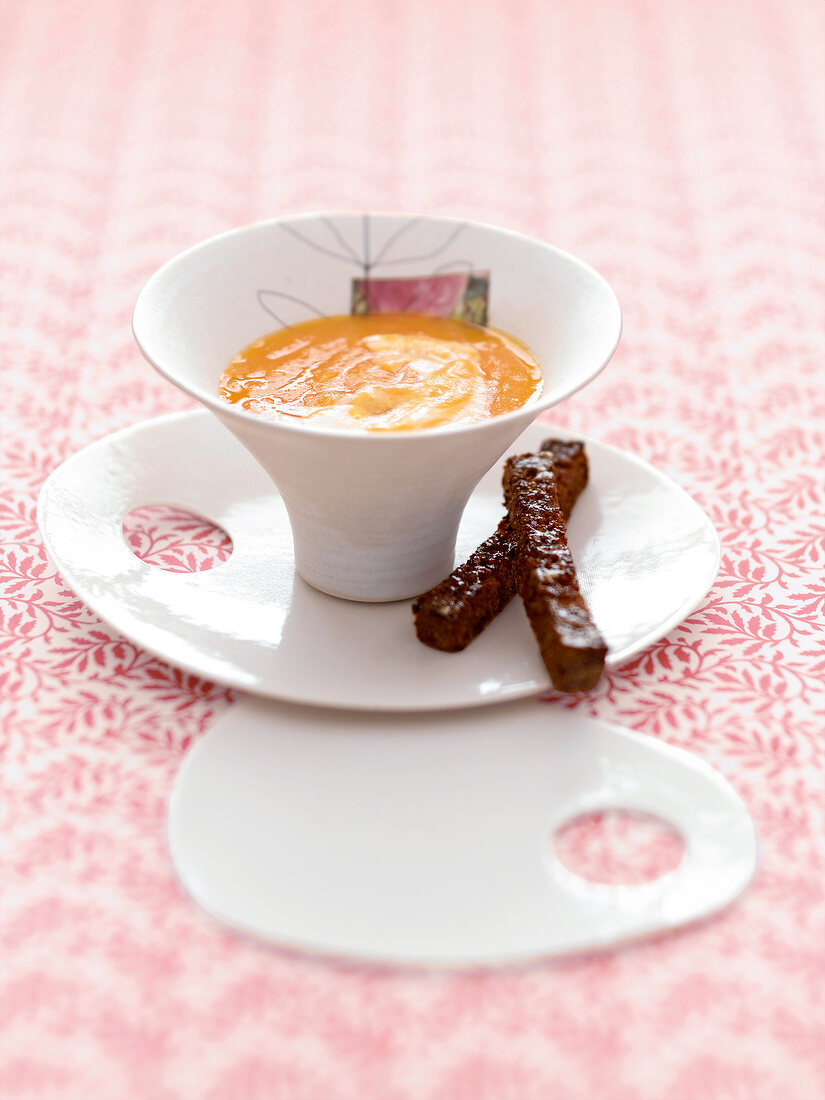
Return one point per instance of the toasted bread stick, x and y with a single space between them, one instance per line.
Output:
452 614
571 647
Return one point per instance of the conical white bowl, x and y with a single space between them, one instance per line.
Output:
374 515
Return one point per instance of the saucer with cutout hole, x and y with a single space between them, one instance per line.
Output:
392 840
645 551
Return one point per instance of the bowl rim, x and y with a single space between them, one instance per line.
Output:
223 408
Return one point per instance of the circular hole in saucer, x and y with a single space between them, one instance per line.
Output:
618 847
174 539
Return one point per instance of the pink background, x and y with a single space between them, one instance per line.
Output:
678 147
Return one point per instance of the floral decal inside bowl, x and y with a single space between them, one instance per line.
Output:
445 288
462 296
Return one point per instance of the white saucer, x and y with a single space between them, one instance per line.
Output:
645 551
369 837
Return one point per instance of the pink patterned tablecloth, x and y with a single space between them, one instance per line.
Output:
678 147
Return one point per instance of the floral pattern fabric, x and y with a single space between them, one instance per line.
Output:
678 147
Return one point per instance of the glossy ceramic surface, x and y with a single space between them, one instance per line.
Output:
369 837
374 515
646 554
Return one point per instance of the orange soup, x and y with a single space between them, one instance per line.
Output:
383 372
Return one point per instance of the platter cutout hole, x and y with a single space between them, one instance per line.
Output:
174 539
618 847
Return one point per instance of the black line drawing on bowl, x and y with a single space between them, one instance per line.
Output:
471 304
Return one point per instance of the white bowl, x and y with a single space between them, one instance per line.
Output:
374 514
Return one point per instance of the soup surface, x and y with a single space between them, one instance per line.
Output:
383 372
